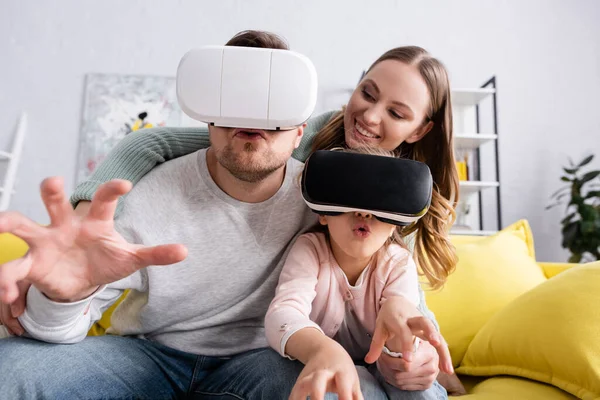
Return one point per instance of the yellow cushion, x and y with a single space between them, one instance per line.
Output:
11 247
550 334
506 387
491 272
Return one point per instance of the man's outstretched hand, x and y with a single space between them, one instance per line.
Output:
70 258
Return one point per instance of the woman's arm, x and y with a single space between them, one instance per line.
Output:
138 153
141 151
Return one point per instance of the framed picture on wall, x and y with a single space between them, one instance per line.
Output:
116 105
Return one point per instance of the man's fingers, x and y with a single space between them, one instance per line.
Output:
446 364
17 308
10 274
430 334
165 254
20 226
379 338
56 202
11 323
422 375
106 198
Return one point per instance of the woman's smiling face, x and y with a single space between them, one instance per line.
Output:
388 107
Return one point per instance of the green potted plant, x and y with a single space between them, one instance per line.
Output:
581 225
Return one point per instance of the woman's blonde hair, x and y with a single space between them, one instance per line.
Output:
434 253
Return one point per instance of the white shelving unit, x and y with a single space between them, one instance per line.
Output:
469 140
470 187
470 97
472 141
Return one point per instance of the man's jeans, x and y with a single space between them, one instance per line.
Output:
114 367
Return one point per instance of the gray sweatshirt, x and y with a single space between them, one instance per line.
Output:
212 303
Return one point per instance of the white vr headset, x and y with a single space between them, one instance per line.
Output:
247 87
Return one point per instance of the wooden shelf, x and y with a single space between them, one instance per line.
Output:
472 141
470 97
470 187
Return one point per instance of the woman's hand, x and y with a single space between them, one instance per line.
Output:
70 258
330 369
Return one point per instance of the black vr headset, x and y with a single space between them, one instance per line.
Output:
396 191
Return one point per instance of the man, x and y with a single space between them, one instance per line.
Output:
195 327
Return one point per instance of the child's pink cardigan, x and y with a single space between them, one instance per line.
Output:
313 289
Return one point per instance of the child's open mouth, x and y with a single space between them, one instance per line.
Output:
361 230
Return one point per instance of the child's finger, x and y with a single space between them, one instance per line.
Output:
424 328
300 390
357 394
379 338
319 386
403 337
343 386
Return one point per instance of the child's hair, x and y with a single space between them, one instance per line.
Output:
434 254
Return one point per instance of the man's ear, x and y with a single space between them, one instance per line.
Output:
322 220
300 134
420 133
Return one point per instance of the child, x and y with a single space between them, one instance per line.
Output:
337 288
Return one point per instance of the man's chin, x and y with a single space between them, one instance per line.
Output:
251 175
250 165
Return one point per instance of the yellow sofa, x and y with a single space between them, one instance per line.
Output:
502 317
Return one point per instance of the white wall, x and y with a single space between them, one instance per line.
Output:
545 54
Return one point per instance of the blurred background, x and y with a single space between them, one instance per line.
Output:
65 63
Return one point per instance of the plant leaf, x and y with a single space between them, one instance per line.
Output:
559 191
589 176
565 179
567 219
575 258
571 171
586 161
569 233
592 194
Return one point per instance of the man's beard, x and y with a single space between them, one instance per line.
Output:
249 165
